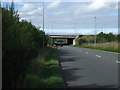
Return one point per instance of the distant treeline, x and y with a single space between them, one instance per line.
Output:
21 41
100 38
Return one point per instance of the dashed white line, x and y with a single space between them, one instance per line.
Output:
118 61
86 52
98 56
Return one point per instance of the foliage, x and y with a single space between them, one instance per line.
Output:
100 38
109 46
81 40
21 42
45 73
85 39
104 49
108 37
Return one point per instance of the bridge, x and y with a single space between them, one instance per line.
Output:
69 38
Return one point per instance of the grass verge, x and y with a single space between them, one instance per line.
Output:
44 72
104 49
112 46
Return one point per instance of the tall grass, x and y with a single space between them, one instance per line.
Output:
44 71
109 46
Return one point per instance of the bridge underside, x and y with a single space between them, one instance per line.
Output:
69 41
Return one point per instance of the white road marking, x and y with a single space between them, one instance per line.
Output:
80 50
118 61
98 56
86 52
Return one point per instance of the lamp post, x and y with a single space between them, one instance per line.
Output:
75 27
43 23
51 29
95 32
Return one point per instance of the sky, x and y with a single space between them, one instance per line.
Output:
71 17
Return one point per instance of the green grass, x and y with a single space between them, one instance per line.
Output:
44 73
100 48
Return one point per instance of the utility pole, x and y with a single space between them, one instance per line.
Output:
95 32
51 29
75 27
0 4
43 24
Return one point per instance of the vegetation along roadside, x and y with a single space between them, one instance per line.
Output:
26 61
44 71
104 41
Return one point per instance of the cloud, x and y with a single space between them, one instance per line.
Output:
54 4
80 9
35 11
60 0
94 6
58 13
64 15
27 7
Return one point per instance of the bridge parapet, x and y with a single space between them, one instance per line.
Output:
63 36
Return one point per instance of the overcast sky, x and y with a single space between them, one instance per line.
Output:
71 17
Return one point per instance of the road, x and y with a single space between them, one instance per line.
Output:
88 68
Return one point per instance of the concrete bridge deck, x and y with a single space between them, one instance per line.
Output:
63 36
70 38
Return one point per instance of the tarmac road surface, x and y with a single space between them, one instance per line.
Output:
88 68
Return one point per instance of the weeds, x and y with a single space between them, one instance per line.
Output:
110 46
44 73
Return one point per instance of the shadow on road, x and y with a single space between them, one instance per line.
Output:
63 52
66 59
69 75
78 88
72 71
64 56
96 86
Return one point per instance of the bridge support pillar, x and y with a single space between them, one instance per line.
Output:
74 43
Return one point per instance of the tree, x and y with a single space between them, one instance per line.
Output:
21 42
110 37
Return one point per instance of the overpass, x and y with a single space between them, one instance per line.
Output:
70 38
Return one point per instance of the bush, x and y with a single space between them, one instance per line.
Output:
32 81
44 74
21 42
53 82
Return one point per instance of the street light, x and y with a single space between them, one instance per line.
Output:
75 27
51 29
43 23
95 32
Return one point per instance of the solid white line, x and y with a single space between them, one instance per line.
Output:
118 61
98 56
